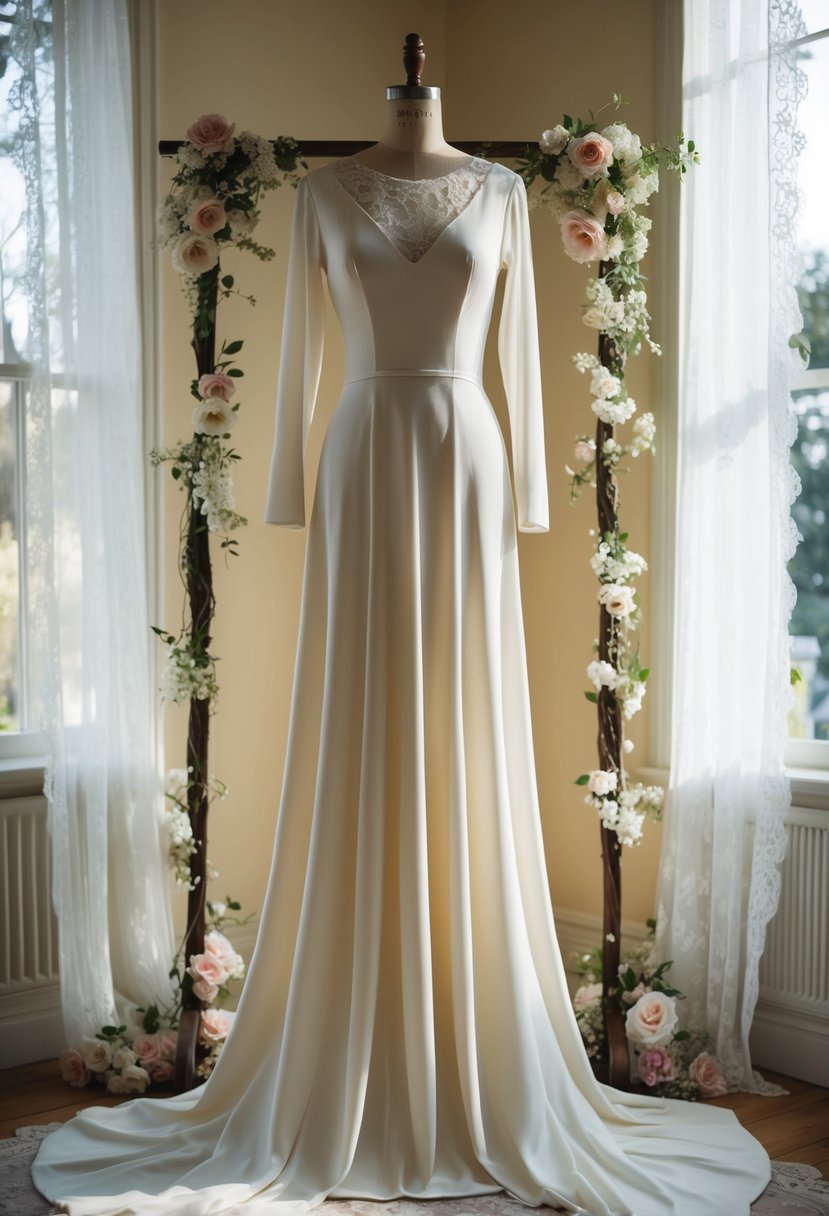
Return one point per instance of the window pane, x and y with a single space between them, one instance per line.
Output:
815 14
813 182
9 561
809 568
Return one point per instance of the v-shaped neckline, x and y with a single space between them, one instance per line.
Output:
414 182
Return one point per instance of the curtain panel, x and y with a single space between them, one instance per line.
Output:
87 618
724 835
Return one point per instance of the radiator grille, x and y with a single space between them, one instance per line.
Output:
795 962
28 942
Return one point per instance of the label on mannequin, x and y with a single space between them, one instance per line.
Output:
413 114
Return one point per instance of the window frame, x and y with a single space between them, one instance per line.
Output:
806 760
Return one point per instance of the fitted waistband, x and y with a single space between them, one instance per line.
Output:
414 371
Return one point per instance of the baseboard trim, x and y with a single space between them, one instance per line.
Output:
792 1039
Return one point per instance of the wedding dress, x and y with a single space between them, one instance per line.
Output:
405 1027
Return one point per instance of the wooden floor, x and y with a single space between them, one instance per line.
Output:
792 1127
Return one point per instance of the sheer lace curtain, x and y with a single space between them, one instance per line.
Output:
87 609
724 835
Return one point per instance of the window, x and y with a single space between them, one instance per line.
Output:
14 373
809 568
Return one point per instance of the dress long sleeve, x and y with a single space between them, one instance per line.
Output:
300 364
521 366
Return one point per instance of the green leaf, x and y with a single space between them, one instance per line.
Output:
795 676
592 696
233 348
583 779
227 281
681 1036
235 371
644 673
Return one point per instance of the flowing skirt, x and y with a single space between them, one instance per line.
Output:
405 1027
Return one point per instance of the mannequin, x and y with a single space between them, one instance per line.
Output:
412 144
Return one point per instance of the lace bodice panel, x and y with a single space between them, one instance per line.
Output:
412 214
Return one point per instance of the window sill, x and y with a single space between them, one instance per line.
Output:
21 776
809 783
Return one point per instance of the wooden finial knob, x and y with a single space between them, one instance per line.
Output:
414 58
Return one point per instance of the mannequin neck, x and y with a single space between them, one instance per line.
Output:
412 144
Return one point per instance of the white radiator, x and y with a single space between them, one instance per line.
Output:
791 1025
30 1022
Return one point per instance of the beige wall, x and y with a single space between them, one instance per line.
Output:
319 70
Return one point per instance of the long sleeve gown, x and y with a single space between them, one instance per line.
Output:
405 1027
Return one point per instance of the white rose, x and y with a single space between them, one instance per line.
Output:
122 1057
615 202
651 1021
213 417
194 253
617 599
135 1079
554 141
604 384
602 781
97 1055
585 450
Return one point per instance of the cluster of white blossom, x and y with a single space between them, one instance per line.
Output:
616 564
587 1006
259 152
630 694
212 489
183 679
644 433
614 412
612 453
602 674
176 822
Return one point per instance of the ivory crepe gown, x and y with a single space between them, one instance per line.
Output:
405 1028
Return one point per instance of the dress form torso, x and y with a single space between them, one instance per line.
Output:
412 145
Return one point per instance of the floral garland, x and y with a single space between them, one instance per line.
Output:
674 1063
594 181
129 1059
213 204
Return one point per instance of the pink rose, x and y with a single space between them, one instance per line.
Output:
583 236
214 384
217 944
208 967
211 133
168 1040
148 1049
591 153
73 1068
651 1021
706 1071
215 1025
160 1071
194 253
204 991
655 1066
207 216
